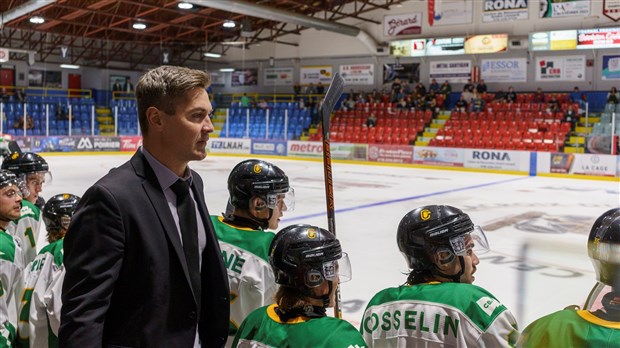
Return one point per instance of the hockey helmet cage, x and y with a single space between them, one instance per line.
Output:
604 247
303 256
428 229
254 177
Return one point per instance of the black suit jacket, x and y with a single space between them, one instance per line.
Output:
126 282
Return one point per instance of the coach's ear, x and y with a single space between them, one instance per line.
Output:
154 118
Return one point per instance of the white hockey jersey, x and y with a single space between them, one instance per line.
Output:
10 276
252 282
38 298
26 230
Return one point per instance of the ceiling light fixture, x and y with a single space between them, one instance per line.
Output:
69 66
185 5
37 20
139 26
212 55
229 24
227 69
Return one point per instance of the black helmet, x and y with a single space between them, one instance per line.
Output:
257 178
302 257
8 178
24 163
58 211
425 230
604 247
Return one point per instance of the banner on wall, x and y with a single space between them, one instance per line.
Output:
611 9
438 156
445 47
246 77
408 48
402 24
358 74
570 68
278 76
458 71
553 40
451 12
504 10
409 72
504 70
564 8
598 38
492 43
390 153
217 79
315 74
611 68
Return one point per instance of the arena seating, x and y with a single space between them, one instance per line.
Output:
285 121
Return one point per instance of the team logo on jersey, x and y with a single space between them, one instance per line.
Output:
425 214
257 168
311 233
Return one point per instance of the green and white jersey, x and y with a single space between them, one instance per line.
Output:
10 276
263 328
252 283
34 329
569 328
438 315
26 230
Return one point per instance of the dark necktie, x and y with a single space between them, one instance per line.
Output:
189 233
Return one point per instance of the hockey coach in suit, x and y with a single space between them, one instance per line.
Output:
143 265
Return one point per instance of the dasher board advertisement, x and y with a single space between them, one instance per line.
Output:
504 10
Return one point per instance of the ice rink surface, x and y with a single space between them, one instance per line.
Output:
537 226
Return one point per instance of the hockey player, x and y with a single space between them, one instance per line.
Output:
438 305
259 193
38 300
308 263
33 170
10 257
598 325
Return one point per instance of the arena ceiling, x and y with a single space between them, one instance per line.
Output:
100 33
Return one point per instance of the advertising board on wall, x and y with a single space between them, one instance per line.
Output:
390 153
402 24
438 156
496 159
246 77
269 147
454 71
491 43
229 145
504 70
408 48
563 8
278 76
569 68
598 38
504 10
358 74
553 40
315 74
451 12
611 67
611 9
445 46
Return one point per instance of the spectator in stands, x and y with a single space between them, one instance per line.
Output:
402 103
446 89
461 104
467 94
396 85
263 104
117 87
361 98
500 96
128 85
553 105
297 89
511 96
469 86
481 87
19 123
577 97
20 95
477 102
434 86
371 120
420 90
310 89
320 89
539 96
613 97
571 116
301 105
349 103
61 112
374 96
245 101
406 87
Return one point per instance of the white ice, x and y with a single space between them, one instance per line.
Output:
537 226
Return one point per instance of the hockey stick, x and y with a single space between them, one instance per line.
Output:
331 98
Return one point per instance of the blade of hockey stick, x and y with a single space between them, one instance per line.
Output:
331 98
334 91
